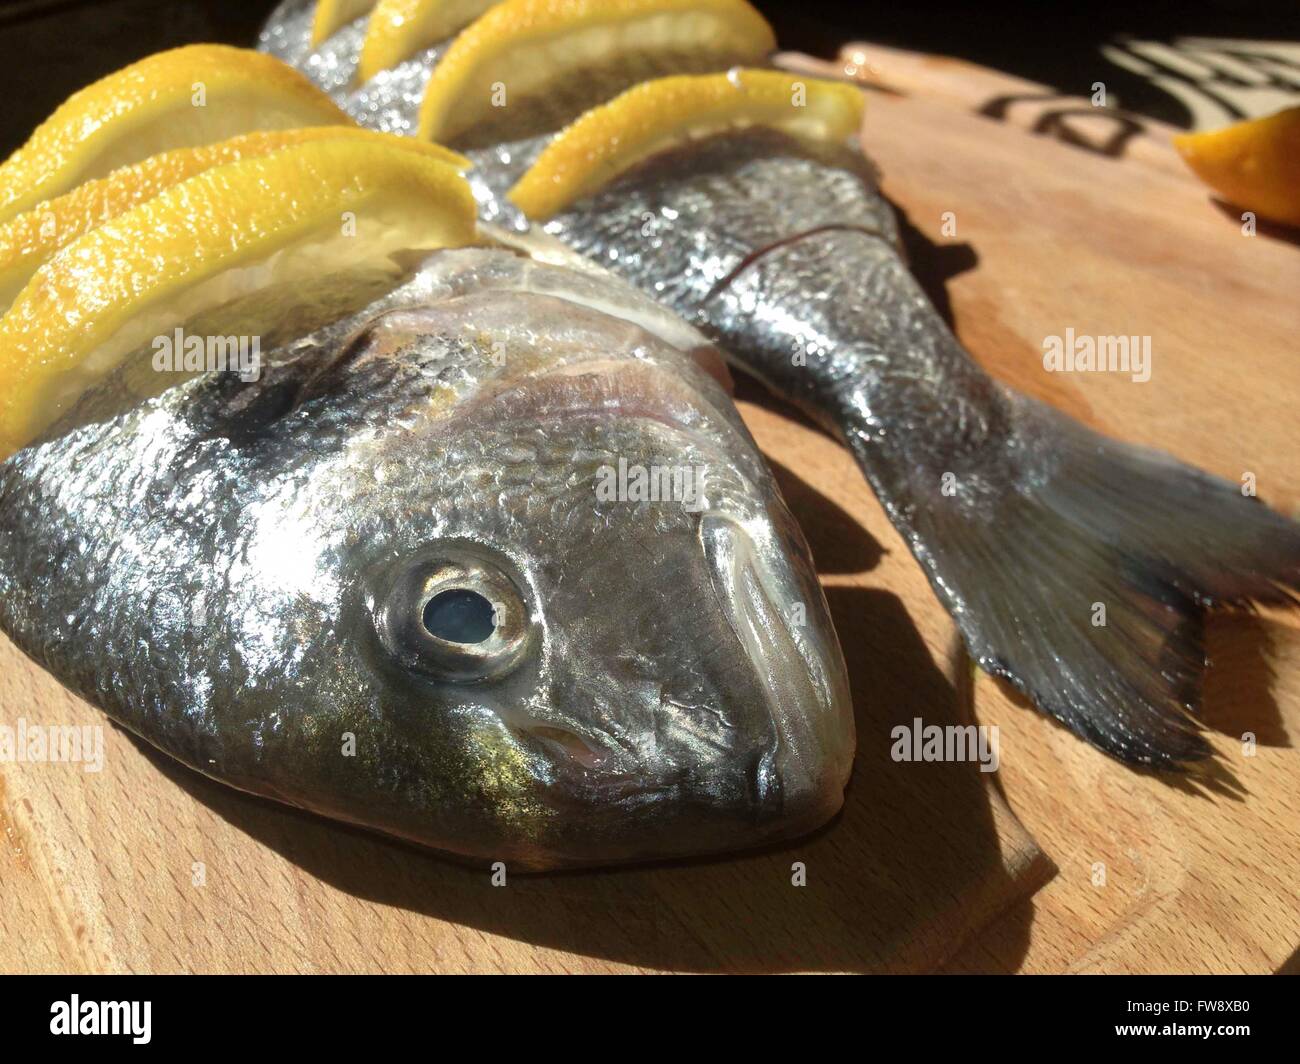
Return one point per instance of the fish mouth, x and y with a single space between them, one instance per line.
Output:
779 617
596 782
563 746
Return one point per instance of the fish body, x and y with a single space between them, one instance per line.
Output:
787 256
397 580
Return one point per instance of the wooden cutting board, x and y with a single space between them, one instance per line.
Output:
148 867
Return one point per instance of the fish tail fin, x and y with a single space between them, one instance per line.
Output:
1083 575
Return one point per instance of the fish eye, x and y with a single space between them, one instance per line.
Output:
460 615
459 618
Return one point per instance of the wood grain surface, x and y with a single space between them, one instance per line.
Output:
1063 860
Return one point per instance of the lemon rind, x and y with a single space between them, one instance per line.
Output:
331 16
63 150
400 29
29 239
1253 164
610 139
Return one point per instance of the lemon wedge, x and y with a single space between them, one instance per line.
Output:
28 240
656 115
1254 164
175 99
217 236
399 29
577 53
332 15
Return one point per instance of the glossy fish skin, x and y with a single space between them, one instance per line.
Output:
808 290
1024 520
238 573
694 227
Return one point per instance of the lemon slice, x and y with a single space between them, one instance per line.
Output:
399 29
1255 164
219 235
28 240
176 99
655 115
332 15
582 51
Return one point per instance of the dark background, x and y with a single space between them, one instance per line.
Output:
53 47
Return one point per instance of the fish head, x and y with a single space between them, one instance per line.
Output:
604 623
506 576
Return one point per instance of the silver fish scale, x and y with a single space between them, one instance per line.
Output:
287 33
495 171
390 101
334 64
